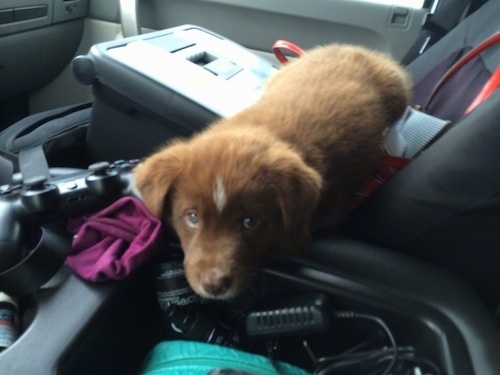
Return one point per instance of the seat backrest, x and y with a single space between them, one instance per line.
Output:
441 20
451 101
445 205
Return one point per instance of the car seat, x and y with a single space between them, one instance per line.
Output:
444 206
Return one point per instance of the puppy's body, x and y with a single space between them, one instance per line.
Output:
243 191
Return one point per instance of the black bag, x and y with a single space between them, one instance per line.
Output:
61 132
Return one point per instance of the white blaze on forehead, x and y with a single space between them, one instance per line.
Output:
219 194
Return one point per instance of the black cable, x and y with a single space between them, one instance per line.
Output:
388 333
351 357
271 348
409 355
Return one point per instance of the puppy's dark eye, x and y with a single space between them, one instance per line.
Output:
192 219
250 222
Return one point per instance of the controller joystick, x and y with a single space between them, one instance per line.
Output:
39 196
100 168
103 181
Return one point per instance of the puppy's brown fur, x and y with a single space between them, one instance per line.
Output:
243 191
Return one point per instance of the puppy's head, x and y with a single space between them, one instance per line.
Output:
235 201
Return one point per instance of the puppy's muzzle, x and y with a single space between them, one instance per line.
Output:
215 284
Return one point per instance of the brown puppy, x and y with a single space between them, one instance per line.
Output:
242 192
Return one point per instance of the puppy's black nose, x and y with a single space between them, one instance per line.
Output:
214 284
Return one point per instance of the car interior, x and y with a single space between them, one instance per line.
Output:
409 284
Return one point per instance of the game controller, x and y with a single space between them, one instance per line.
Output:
28 207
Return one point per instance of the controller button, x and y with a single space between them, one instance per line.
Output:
40 197
71 185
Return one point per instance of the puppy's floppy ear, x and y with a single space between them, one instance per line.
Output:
298 190
156 175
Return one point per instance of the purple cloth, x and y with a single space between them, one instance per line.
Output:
111 243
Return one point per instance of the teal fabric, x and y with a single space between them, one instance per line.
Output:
198 358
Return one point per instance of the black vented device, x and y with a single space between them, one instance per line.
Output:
291 316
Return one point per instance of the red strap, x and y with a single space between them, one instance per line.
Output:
495 38
486 91
280 45
385 167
